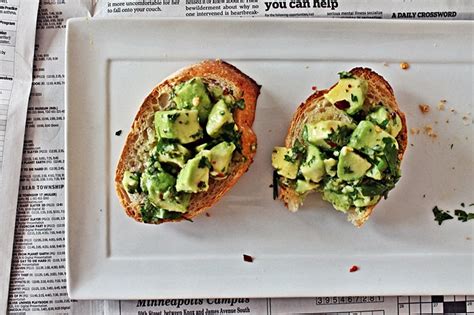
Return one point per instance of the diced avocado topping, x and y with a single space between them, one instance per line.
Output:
171 152
340 201
389 121
351 165
193 94
219 116
286 162
131 182
221 156
374 173
157 183
312 167
368 138
349 152
303 186
349 94
330 165
182 125
173 202
193 143
328 133
194 176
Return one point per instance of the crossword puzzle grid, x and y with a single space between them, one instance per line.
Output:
435 304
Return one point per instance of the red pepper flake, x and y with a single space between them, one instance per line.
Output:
314 88
248 258
354 268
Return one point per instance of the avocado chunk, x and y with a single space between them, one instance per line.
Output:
303 186
368 138
177 202
374 173
390 121
194 176
193 94
351 166
159 187
364 201
330 165
328 133
340 202
350 92
218 117
221 156
312 167
130 182
157 183
286 162
182 125
170 152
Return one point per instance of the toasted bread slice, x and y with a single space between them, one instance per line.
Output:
316 108
142 134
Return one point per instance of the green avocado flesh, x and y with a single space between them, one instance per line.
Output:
352 160
196 140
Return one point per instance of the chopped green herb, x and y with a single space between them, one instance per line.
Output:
391 156
118 132
291 158
204 162
341 136
345 75
240 103
372 187
463 204
229 134
348 170
173 117
441 215
297 151
472 204
354 98
463 216
197 134
298 147
384 123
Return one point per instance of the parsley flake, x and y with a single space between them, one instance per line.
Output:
463 216
441 215
345 75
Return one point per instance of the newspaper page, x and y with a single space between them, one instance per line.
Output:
38 281
17 35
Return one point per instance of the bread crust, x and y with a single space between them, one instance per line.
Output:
379 91
224 74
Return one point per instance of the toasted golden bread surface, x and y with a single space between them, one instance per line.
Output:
142 135
316 108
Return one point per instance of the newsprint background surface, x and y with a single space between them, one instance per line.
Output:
38 281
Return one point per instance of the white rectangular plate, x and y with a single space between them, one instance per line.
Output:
113 64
